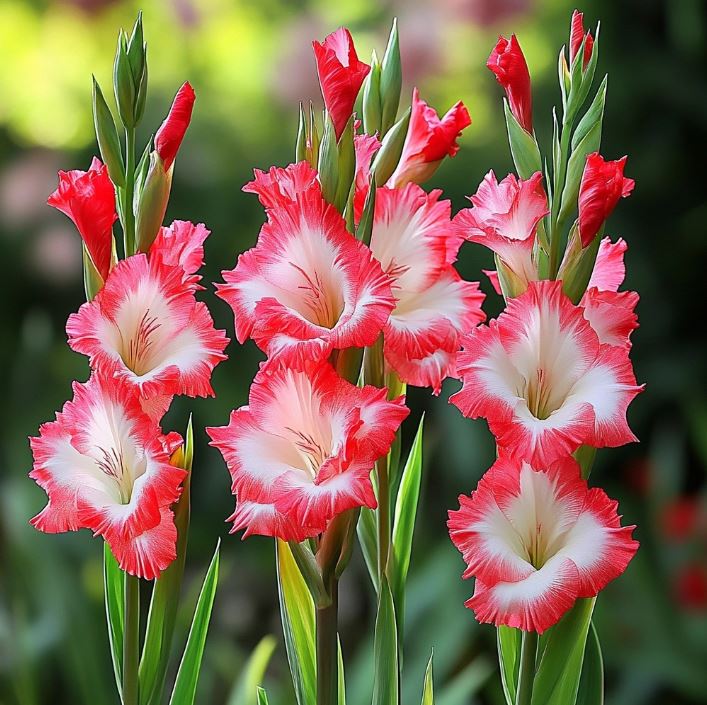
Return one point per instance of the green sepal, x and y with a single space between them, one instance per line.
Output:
262 696
114 594
404 525
509 640
561 655
391 81
187 678
511 284
372 110
141 170
591 682
365 225
297 614
385 650
246 686
524 148
123 84
328 164
586 139
389 154
428 697
310 572
152 204
162 616
107 136
92 280
346 167
585 455
578 264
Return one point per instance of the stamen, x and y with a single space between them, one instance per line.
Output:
136 353
318 302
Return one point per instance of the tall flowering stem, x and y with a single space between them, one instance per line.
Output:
553 379
105 462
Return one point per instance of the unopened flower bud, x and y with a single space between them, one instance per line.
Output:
107 137
152 203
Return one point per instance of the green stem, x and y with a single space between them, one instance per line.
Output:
383 515
526 675
128 191
327 648
131 640
558 187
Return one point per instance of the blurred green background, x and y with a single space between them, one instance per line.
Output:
250 62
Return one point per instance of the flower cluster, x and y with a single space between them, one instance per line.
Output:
552 374
105 462
315 289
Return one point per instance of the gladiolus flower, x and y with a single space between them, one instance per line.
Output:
603 183
536 540
146 326
279 186
105 467
88 198
181 245
301 452
543 380
341 75
577 35
414 240
308 287
428 141
511 70
171 133
505 218
611 315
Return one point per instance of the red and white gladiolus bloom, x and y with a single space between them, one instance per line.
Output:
428 141
308 287
302 451
508 64
536 539
146 327
105 467
416 243
504 217
544 380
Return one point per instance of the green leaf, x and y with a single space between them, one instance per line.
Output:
297 614
594 112
114 593
524 148
591 683
245 688
428 697
509 640
188 673
107 137
368 540
385 650
341 687
404 524
391 80
162 616
262 696
557 677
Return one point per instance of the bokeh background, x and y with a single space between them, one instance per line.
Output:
250 62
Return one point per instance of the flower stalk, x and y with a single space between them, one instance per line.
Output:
526 674
131 640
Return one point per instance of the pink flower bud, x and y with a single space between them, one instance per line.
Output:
171 133
511 70
603 183
577 34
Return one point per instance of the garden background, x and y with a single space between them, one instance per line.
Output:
250 62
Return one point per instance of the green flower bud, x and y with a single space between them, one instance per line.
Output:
372 98
107 136
328 164
152 203
391 81
389 154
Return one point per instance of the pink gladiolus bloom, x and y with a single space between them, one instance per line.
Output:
104 465
577 35
301 452
544 381
428 141
611 314
308 287
536 540
279 186
505 218
416 243
511 70
171 133
603 183
341 75
88 198
146 326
